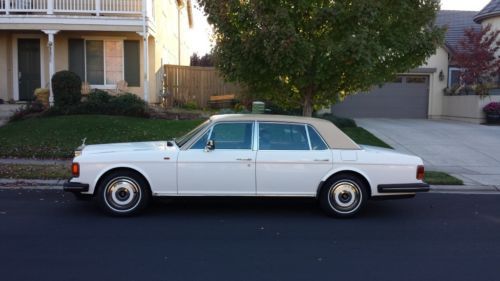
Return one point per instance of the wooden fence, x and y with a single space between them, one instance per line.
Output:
195 85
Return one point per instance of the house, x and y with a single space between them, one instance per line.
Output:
105 42
419 93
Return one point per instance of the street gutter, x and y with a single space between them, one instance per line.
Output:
57 185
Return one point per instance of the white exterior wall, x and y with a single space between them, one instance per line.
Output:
439 61
4 87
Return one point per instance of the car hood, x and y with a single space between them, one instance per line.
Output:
126 147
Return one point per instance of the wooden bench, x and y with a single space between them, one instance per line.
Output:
222 101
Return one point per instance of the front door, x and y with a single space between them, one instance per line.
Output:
228 169
28 67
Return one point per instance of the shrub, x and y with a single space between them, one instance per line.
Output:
29 110
190 105
492 108
100 102
339 121
67 87
128 104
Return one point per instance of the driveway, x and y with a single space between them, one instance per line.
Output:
468 151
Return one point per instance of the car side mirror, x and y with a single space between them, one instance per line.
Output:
210 146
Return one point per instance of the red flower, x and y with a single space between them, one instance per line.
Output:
492 107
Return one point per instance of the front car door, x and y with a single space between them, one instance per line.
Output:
229 169
291 159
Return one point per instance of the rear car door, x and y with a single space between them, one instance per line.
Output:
292 158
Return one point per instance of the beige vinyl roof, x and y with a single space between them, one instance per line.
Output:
335 138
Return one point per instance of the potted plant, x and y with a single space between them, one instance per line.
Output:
492 111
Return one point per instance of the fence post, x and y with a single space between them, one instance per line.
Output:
7 7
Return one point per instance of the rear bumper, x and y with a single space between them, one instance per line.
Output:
75 186
403 188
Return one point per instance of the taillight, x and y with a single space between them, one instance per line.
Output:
75 170
420 172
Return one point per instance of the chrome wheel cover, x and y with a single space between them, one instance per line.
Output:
344 196
122 194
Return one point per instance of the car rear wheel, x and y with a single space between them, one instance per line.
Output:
343 196
123 193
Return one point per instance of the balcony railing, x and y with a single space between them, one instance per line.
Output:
93 7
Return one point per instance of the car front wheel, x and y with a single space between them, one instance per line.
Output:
123 193
343 196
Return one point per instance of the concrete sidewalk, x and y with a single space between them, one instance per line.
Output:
7 110
469 152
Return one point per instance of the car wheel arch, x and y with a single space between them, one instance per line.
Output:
105 173
361 176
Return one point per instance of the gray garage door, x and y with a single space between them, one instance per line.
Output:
406 97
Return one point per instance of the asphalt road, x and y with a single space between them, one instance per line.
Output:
47 235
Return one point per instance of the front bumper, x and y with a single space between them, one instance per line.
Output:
403 188
75 186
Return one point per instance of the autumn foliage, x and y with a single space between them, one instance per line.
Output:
478 56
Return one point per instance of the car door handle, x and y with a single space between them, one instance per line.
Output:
321 160
244 159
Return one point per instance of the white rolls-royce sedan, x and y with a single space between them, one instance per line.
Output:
246 155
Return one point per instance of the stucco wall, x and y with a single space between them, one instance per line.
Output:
466 108
163 48
439 61
62 56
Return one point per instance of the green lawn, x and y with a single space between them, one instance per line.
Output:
57 137
440 178
44 172
362 136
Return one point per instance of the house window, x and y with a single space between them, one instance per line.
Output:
453 76
102 63
416 79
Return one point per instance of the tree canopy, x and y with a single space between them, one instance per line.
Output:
315 52
477 56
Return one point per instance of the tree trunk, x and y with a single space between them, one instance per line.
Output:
307 107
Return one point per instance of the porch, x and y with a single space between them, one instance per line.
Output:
76 7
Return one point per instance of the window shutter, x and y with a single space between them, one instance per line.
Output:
132 63
77 57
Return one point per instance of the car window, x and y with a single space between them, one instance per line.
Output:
184 139
232 135
202 142
317 142
274 136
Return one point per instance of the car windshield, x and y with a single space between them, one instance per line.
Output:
184 139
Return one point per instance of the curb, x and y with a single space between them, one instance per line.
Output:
464 189
26 161
57 185
31 184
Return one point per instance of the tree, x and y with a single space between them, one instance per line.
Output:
206 60
194 60
315 52
477 58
